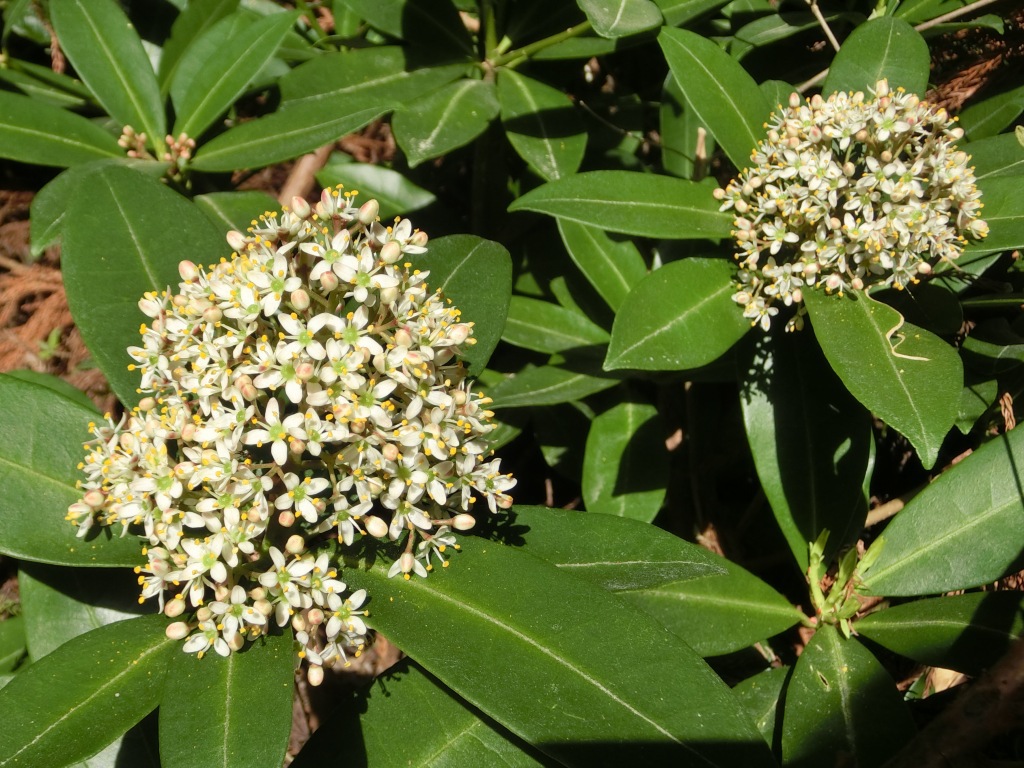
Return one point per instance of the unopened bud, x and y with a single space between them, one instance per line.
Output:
189 272
295 545
924 268
300 207
391 252
463 522
299 622
204 613
286 519
315 616
406 562
368 212
212 314
174 608
236 642
315 675
236 240
329 281
296 446
94 499
264 607
419 239
147 404
177 630
188 432
375 526
794 100
304 371
299 299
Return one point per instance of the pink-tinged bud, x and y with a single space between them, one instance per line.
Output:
390 451
406 562
212 314
174 608
299 622
885 156
188 432
794 100
147 404
180 300
460 397
299 299
419 239
798 295
390 252
315 616
94 499
295 545
882 88
924 268
297 447
816 101
742 206
264 607
236 642
189 272
463 522
718 194
504 502
403 338
315 675
329 281
249 391
368 212
814 135
459 332
221 593
304 371
78 509
286 519
300 207
204 613
236 240
127 441
389 295
861 135
857 284
375 526
177 630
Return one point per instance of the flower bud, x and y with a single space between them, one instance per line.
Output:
315 675
304 371
419 239
924 268
212 314
236 240
94 499
264 607
406 562
375 527
174 608
390 451
391 252
296 446
177 630
189 271
794 100
315 616
463 522
329 281
236 642
147 404
204 613
300 207
368 212
299 299
295 545
286 519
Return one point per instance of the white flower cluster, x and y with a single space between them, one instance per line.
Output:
303 391
849 192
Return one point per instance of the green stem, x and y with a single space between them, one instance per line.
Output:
490 29
314 23
518 55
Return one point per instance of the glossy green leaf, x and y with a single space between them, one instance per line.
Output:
1004 214
50 205
680 316
678 12
235 210
392 190
193 65
541 124
633 204
996 156
612 266
960 531
42 91
975 401
723 96
968 633
626 463
616 553
550 631
445 119
223 76
58 385
761 696
931 306
189 26
283 135
363 78
42 446
38 133
560 435
435 22
883 48
910 378
620 18
841 701
718 614
773 28
438 728
546 327
810 440
108 55
686 145
223 691
476 274
121 239
59 605
991 115
777 93
12 643
75 701
550 385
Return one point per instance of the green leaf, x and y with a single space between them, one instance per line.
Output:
122 237
908 377
621 17
542 125
615 553
761 696
434 22
678 12
206 711
549 385
633 204
74 702
718 614
12 643
841 701
546 327
680 316
58 606
990 116
1004 213
44 90
392 190
626 463
612 266
50 205
41 134
224 76
968 633
961 531
767 30
58 385
682 153
723 96
810 440
283 135
437 728
996 156
235 210
445 119
42 446
883 48
549 629
476 274
363 78
108 55
975 400
187 28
